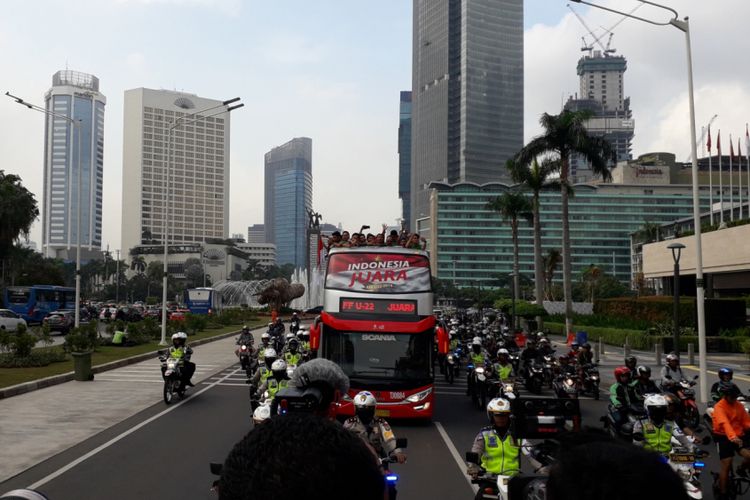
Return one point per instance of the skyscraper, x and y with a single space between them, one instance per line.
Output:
467 84
602 94
75 95
288 197
198 176
404 155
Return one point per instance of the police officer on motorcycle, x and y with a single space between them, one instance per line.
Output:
276 381
375 431
499 451
503 366
180 350
292 356
264 370
655 433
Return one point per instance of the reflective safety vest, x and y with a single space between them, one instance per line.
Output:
264 373
176 353
657 438
503 371
118 337
292 359
477 359
274 386
305 346
501 455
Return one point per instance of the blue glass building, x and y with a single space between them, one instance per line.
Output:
288 197
74 95
404 154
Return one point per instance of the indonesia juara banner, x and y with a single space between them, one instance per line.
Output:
378 272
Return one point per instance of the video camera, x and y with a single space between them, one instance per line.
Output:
543 418
293 400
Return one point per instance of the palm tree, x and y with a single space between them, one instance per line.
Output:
565 135
551 261
511 206
535 177
138 264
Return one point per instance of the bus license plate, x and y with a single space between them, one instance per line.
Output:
382 413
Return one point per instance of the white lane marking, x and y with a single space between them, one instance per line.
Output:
66 468
150 381
228 384
456 455
452 393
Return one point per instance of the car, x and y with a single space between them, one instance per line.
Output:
314 310
177 314
9 320
60 321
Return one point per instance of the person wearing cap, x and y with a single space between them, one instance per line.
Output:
730 425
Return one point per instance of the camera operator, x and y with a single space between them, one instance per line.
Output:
323 379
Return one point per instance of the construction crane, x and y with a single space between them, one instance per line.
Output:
704 131
606 50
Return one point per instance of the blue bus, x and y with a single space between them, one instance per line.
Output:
34 302
203 300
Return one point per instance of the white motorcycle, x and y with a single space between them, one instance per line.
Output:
687 462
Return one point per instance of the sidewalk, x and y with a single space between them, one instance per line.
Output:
37 425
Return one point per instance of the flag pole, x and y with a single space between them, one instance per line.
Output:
710 178
739 169
721 180
747 160
731 179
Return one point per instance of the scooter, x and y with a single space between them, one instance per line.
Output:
566 386
625 432
684 390
591 380
534 377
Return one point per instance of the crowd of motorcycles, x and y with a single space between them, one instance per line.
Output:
495 364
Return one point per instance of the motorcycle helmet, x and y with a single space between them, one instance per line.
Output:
587 346
179 339
364 406
304 334
498 406
245 328
726 374
575 346
261 413
631 362
656 407
265 338
643 371
476 341
672 357
293 345
543 342
279 368
502 352
672 401
269 355
290 336
622 371
729 389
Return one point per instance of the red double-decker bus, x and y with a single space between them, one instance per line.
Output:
377 323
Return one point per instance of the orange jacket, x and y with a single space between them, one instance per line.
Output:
443 341
730 420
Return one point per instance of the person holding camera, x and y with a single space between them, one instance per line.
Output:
499 451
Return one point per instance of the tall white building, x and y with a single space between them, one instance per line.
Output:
198 176
75 95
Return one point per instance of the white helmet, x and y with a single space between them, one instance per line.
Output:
365 399
290 336
270 352
261 413
503 350
179 335
498 406
279 366
476 341
672 357
656 407
452 332
265 336
655 400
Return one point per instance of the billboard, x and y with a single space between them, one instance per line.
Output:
374 272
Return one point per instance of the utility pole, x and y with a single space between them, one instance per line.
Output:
117 278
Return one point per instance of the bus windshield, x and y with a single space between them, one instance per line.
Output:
380 355
378 273
19 295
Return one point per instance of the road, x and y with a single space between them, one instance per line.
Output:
164 452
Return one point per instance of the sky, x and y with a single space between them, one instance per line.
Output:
332 70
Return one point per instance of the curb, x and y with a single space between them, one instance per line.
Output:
15 390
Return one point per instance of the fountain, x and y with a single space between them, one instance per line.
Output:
237 293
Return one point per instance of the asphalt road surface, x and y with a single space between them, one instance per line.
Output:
164 452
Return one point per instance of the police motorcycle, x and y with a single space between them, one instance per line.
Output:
248 362
480 381
391 479
453 363
687 462
294 324
590 381
172 377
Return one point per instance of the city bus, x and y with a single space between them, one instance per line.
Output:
34 302
377 323
203 300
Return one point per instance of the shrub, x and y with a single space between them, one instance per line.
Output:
195 323
85 338
18 343
35 359
603 321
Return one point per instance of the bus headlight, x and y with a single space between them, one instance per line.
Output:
416 398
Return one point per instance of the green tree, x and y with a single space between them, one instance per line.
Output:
513 206
18 211
27 267
551 261
535 177
193 273
138 264
566 135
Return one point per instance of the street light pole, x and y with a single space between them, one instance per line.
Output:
684 26
513 303
78 125
676 250
188 119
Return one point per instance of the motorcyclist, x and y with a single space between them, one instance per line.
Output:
642 384
632 363
671 373
619 396
499 451
292 356
304 343
585 356
545 348
725 375
655 432
265 343
294 323
246 337
277 380
478 357
575 348
730 426
566 367
531 353
181 351
264 370
375 431
503 366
